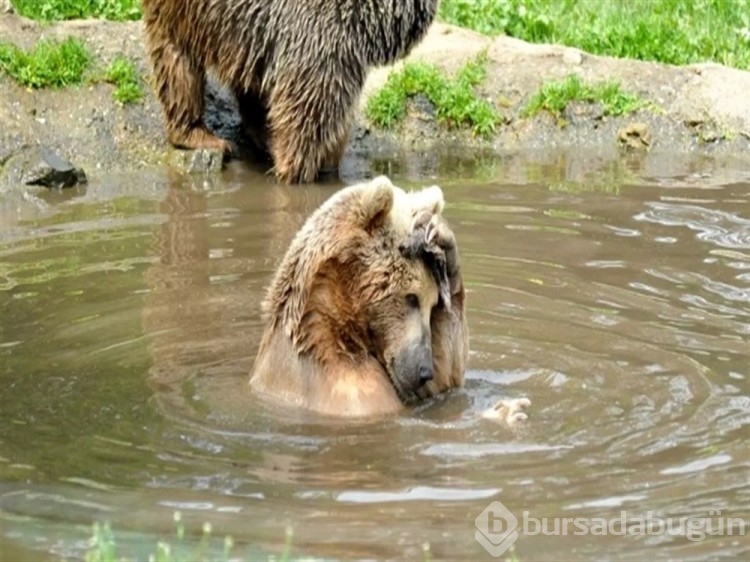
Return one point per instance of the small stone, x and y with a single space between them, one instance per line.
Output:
572 57
45 167
360 132
204 161
422 108
635 135
710 134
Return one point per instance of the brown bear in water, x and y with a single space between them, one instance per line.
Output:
366 311
297 68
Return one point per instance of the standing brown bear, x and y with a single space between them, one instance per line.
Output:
297 68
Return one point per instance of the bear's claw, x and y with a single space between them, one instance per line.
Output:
438 234
421 220
509 410
431 230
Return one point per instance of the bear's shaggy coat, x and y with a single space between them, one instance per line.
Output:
338 338
297 68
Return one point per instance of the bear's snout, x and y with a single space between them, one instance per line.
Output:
425 374
413 369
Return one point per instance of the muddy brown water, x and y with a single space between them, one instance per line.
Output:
615 296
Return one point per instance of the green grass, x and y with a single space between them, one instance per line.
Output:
668 31
554 96
55 64
103 546
47 10
124 75
50 64
455 100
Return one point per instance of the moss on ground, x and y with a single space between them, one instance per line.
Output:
124 75
456 102
50 64
59 64
554 96
50 10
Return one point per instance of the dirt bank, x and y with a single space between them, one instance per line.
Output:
703 109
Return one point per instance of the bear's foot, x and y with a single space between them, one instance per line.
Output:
510 410
201 138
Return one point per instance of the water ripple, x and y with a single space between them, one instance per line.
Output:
715 226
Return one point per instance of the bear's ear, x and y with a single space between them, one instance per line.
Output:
413 209
376 202
430 200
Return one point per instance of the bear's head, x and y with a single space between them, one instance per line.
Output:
348 292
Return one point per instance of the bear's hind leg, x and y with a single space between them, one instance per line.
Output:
308 134
180 85
331 163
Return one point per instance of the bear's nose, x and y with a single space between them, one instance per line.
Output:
425 374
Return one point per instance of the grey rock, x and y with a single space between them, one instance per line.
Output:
635 136
202 161
572 57
45 167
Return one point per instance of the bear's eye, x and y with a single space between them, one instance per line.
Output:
412 300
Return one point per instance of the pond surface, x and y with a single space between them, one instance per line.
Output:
616 297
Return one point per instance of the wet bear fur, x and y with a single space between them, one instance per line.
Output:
297 68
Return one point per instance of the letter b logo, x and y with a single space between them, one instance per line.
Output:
496 528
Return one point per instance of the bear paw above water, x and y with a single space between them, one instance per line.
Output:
509 410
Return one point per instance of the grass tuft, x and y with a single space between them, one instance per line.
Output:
53 64
50 64
103 547
667 31
554 97
48 10
124 75
455 101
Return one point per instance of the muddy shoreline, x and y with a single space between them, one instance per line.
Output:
702 110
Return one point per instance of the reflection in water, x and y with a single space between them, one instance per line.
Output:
615 295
